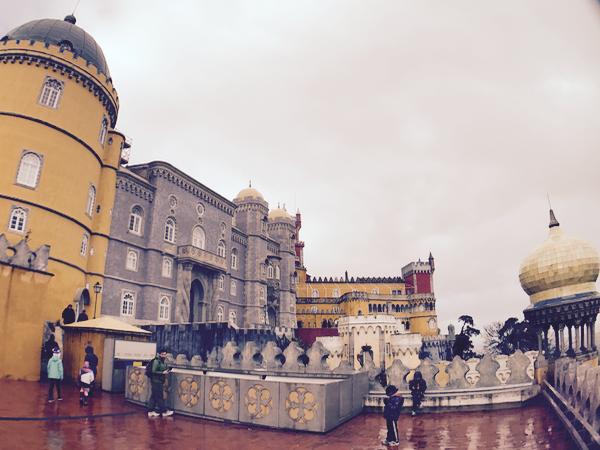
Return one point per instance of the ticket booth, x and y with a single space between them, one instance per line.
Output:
118 354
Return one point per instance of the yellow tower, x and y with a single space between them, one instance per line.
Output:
60 152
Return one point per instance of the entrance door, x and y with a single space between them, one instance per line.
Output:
272 319
197 305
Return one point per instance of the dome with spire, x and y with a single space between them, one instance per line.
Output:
279 213
62 33
249 192
562 266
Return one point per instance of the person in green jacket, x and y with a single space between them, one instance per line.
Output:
157 380
55 374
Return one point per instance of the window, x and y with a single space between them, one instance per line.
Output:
375 291
277 273
222 283
261 293
315 293
132 260
432 323
30 166
198 237
135 220
335 310
270 271
220 314
127 304
336 293
170 230
51 92
17 221
233 288
234 254
221 249
91 200
354 290
314 309
164 308
167 268
388 349
232 317
84 245
263 226
103 131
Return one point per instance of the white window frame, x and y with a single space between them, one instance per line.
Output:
164 308
29 169
335 310
51 92
91 201
221 251
270 271
234 254
222 282
128 304
198 237
336 293
167 270
375 291
103 131
232 317
314 309
220 314
233 287
261 293
17 220
136 220
170 230
85 240
277 273
431 322
315 293
132 260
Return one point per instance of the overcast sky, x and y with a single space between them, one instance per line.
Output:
398 128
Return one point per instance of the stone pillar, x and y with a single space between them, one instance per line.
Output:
539 336
561 340
351 355
593 333
381 349
558 349
182 298
588 342
577 342
582 331
545 340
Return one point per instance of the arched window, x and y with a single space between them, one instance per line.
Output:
167 268
432 323
270 271
128 304
91 201
261 293
315 293
84 245
336 293
277 273
18 220
170 230
324 324
103 131
314 309
370 308
407 327
222 282
221 249
132 260
220 314
51 92
232 317
29 169
335 309
233 288
198 237
375 291
234 254
378 308
164 308
135 220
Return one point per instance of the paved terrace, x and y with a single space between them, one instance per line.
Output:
28 421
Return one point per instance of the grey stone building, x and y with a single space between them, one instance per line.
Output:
180 252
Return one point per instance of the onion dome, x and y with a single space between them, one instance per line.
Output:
249 192
62 33
280 213
562 267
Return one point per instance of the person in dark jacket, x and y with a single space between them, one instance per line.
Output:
159 374
83 316
391 413
68 315
92 359
417 387
49 347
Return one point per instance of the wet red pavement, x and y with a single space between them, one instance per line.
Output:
108 422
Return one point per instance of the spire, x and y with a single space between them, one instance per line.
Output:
250 183
553 221
71 19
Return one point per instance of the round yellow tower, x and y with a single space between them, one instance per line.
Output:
58 110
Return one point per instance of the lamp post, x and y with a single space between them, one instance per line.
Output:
97 289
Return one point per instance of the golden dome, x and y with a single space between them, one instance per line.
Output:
279 213
250 192
561 266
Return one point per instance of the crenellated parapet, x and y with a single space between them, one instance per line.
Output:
22 256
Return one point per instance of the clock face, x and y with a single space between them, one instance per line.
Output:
223 227
173 202
200 209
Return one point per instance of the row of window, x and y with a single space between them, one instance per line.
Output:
336 292
128 305
315 310
51 95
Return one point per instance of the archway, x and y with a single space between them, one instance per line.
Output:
81 299
272 320
197 305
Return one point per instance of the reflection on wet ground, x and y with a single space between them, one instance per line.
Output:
108 422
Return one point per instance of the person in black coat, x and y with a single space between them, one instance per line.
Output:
391 413
83 316
92 359
417 387
68 315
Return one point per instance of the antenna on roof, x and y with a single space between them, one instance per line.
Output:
76 5
548 195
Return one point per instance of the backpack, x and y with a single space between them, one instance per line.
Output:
148 372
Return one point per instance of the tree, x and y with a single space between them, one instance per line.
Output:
510 336
463 345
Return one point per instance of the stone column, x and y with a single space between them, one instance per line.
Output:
563 351
545 340
182 298
588 328
577 339
539 336
351 355
558 348
381 349
582 331
593 333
